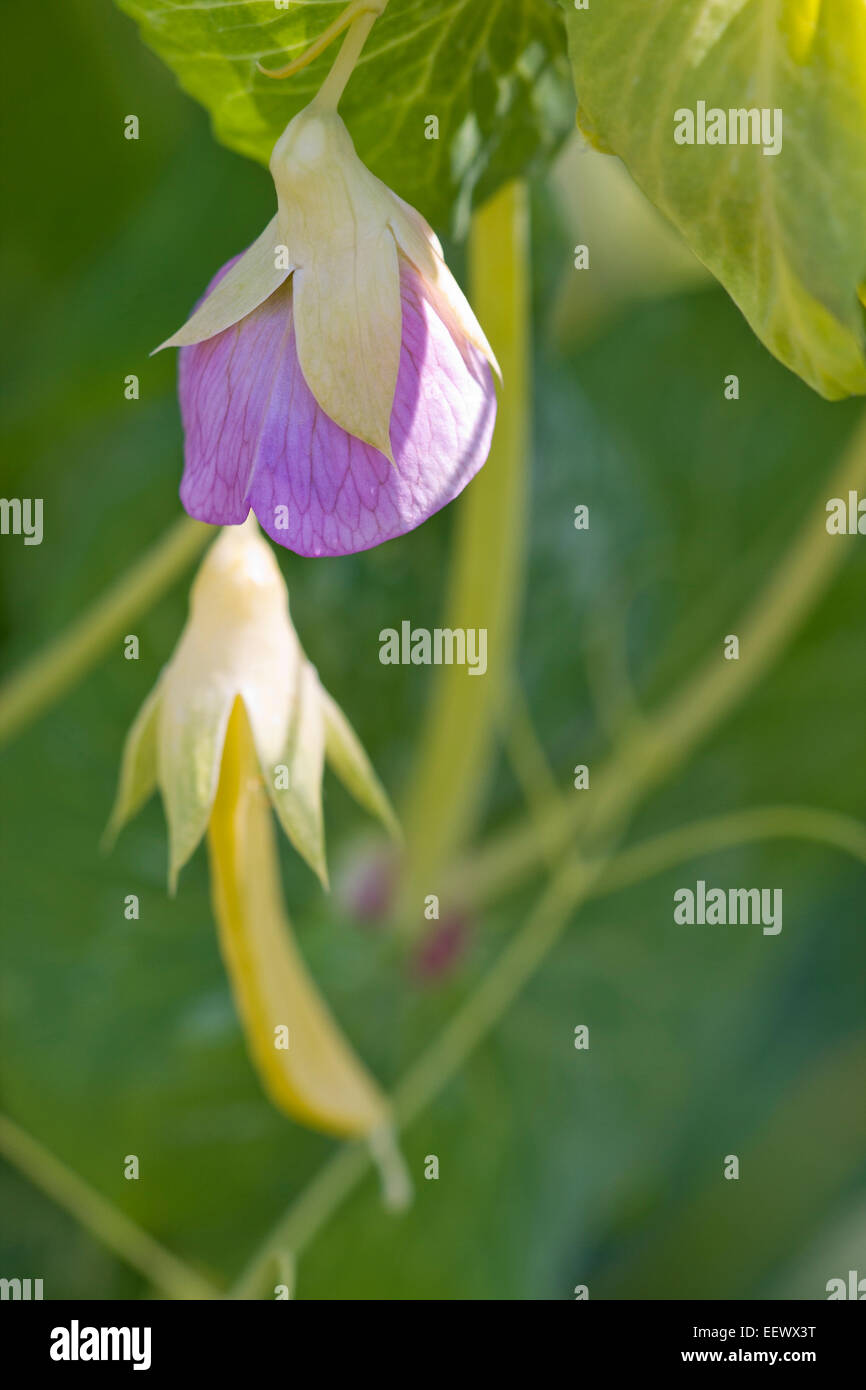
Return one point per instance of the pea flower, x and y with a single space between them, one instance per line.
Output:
239 725
333 378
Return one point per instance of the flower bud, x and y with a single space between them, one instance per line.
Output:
239 644
333 379
238 709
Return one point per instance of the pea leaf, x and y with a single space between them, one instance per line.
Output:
495 76
786 232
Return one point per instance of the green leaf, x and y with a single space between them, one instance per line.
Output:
785 233
495 76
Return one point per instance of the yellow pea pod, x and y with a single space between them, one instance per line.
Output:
317 1079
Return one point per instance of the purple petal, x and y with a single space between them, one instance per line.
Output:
255 436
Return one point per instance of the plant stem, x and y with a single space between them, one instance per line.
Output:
659 744
423 1082
358 17
334 85
568 888
528 760
109 1225
717 833
574 884
457 741
60 665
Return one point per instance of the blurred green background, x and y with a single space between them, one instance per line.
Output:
557 1167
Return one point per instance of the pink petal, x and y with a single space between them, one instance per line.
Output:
255 435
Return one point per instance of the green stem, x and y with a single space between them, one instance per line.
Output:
718 833
331 1186
457 742
164 1270
423 1082
334 85
358 17
569 887
59 666
525 753
655 747
574 884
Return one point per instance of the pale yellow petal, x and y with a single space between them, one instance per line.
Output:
346 284
295 780
237 641
138 768
248 284
191 738
419 244
348 329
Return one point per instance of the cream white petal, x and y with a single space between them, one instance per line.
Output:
346 284
420 224
420 245
251 281
138 768
295 780
192 732
238 642
239 651
348 330
240 635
